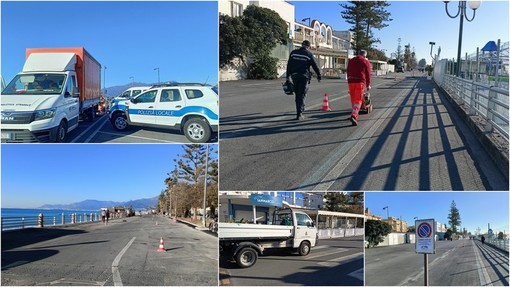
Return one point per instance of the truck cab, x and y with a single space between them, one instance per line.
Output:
44 101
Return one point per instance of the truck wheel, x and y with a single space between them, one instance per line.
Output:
246 257
61 135
197 130
119 122
304 248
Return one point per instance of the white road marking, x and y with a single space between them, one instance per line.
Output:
95 132
136 137
117 281
325 176
342 260
85 131
339 250
482 270
358 274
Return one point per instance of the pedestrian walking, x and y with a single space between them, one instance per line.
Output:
298 68
483 239
103 216
107 215
358 77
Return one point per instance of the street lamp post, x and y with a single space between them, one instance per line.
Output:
132 81
104 81
158 74
432 56
308 18
205 182
387 211
462 12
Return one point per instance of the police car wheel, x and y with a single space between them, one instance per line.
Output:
119 122
197 130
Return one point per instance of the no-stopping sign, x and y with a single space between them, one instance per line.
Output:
425 236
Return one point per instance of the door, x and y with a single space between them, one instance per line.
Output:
169 105
71 102
305 229
141 109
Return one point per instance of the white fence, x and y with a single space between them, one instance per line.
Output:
488 102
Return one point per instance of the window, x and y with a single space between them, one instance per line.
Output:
303 220
148 97
237 9
194 94
170 96
136 92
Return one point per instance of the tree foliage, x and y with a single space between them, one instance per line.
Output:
454 217
344 202
376 54
409 57
185 183
252 36
422 63
364 16
375 231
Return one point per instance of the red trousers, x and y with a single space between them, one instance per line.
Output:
356 91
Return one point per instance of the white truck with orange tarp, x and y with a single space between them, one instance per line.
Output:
45 100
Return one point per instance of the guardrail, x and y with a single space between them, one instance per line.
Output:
489 102
20 222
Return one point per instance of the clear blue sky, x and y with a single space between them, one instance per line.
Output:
33 175
476 208
420 22
129 38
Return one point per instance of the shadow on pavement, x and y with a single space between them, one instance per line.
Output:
17 258
18 238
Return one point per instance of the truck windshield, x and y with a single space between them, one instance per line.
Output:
35 84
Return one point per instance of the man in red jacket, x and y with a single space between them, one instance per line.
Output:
358 77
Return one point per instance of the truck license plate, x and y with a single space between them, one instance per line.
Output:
6 135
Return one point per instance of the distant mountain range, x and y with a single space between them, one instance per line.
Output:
91 204
114 91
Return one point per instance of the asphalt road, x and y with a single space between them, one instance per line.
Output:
456 263
413 140
334 262
102 131
124 252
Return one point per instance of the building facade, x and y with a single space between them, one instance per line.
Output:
332 49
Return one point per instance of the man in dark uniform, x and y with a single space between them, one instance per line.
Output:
298 67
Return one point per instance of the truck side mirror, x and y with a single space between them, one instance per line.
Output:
76 92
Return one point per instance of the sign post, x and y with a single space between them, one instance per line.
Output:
425 242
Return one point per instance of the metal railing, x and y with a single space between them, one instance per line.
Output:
489 102
499 243
20 222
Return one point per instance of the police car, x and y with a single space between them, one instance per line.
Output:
191 108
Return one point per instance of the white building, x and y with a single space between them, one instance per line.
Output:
332 49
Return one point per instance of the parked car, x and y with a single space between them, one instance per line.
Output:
400 70
131 92
191 108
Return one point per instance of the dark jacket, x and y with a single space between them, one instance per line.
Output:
359 70
300 61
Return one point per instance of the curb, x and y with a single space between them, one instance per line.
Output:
195 226
493 143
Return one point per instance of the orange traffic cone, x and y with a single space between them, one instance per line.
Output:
325 103
161 246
